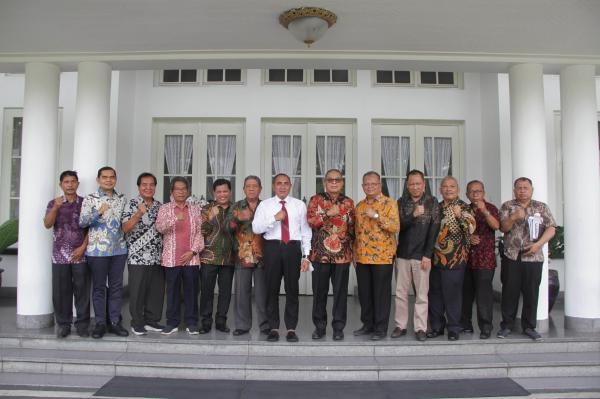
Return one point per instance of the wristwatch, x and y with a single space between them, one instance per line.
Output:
376 216
194 253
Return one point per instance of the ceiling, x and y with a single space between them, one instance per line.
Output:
466 35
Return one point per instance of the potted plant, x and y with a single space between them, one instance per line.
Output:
9 234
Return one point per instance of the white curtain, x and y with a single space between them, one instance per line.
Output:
331 153
428 145
390 151
443 153
286 159
177 156
221 157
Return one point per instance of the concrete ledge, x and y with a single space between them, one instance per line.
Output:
35 321
582 324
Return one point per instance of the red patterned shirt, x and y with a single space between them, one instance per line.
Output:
483 255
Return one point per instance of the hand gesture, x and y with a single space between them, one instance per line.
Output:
475 240
425 263
103 208
244 214
58 201
419 210
517 213
456 209
186 257
370 212
481 205
304 265
214 211
78 254
333 211
279 216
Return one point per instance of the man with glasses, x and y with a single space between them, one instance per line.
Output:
331 217
281 220
481 264
377 223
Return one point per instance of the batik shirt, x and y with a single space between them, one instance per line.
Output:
518 237
247 246
218 242
332 236
166 224
452 245
67 234
483 255
375 241
105 236
144 241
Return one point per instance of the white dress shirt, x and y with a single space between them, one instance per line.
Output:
264 221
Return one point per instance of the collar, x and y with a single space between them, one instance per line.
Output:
102 193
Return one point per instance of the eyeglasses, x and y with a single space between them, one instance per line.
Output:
475 191
335 180
370 184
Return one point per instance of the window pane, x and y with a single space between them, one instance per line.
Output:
297 155
214 75
320 186
211 150
209 191
276 75
17 136
320 156
402 77
295 75
166 189
178 154
446 78
171 75
15 177
339 75
189 75
384 77
233 75
443 155
14 209
391 187
322 75
428 78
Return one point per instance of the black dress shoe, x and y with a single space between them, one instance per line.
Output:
63 331
338 335
484 335
420 335
398 332
99 331
467 329
239 331
117 329
377 335
434 333
265 331
222 328
318 334
83 332
291 336
273 336
363 331
453 336
204 330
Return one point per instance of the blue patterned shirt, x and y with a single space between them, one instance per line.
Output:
105 236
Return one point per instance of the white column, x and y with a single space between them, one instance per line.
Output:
38 186
528 147
581 190
92 116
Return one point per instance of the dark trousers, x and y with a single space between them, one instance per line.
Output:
68 281
208 278
445 298
520 278
107 270
282 260
338 274
375 295
146 293
478 287
188 277
243 298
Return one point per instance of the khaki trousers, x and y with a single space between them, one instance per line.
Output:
409 271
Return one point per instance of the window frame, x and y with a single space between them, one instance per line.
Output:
240 82
393 84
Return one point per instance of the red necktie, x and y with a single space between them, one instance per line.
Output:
285 225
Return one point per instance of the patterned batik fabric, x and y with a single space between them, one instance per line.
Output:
218 242
375 239
247 246
144 241
452 245
483 255
67 233
332 236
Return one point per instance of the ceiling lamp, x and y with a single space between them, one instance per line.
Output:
308 24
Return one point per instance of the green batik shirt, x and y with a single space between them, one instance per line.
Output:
218 242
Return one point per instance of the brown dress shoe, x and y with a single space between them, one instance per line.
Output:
398 332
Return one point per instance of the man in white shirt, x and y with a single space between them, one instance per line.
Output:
282 222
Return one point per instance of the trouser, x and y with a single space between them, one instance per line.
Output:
282 260
68 281
208 278
338 273
242 303
175 277
146 293
520 278
409 271
107 269
478 287
375 295
445 298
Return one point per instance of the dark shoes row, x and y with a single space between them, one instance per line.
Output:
290 336
319 333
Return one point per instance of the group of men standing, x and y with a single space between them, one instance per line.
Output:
444 250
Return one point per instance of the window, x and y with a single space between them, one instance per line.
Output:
331 76
224 76
448 79
316 76
202 151
285 76
431 148
179 76
384 77
11 168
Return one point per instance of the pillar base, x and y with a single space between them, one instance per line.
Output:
542 326
581 324
35 321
